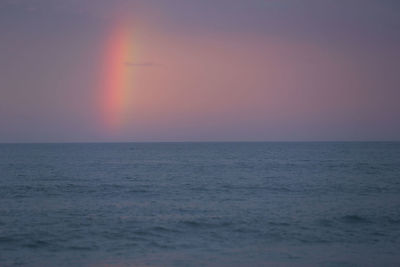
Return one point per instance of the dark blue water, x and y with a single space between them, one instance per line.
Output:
207 204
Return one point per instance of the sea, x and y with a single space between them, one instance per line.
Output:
200 204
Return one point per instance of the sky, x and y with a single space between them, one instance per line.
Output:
189 70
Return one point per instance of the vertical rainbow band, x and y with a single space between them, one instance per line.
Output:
117 76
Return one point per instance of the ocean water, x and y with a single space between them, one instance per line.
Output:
200 204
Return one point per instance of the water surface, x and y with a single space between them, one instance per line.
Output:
190 204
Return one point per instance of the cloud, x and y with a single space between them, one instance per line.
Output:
141 64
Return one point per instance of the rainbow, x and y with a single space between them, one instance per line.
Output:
117 77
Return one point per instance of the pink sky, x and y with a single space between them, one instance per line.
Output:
193 82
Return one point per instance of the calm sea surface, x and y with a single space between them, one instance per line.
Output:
200 204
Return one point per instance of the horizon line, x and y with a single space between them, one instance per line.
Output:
211 141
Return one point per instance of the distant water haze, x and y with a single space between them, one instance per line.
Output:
199 71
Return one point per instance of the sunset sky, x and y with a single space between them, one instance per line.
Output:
191 70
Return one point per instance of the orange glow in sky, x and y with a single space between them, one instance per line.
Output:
117 76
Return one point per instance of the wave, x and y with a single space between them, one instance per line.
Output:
356 219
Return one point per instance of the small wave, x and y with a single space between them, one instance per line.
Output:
354 219
192 223
392 220
197 224
199 188
160 245
82 248
325 222
378 234
251 188
348 219
279 223
7 239
37 244
164 229
243 230
111 186
132 191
